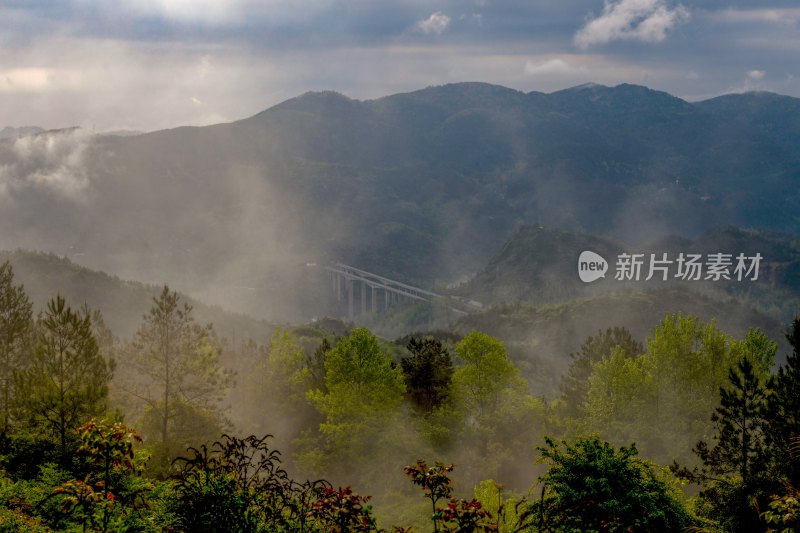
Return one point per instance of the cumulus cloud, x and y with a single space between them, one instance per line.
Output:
435 24
53 161
639 20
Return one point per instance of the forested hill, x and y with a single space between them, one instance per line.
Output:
420 186
539 338
539 265
122 303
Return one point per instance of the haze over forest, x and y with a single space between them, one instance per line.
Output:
480 197
351 266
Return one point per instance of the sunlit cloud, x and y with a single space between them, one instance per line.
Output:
37 79
637 20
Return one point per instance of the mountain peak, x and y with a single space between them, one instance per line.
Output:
313 101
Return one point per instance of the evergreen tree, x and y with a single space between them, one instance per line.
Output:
315 363
182 378
428 373
733 473
783 413
67 381
16 328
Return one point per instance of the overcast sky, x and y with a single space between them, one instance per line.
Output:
152 64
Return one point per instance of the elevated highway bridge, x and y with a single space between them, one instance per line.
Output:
378 293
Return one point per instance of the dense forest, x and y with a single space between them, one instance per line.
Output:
327 427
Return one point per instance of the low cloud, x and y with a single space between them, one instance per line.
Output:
52 161
636 20
754 81
551 67
435 24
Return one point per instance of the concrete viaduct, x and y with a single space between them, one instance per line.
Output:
378 293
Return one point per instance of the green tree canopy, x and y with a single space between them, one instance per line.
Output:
486 376
591 486
500 417
575 383
361 381
279 383
361 399
674 384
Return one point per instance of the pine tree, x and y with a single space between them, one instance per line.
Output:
182 379
783 407
733 473
428 373
16 329
67 381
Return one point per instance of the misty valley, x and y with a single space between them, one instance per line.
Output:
464 308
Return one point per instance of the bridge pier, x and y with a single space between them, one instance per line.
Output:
363 297
350 314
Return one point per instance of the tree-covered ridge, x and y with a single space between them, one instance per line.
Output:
356 412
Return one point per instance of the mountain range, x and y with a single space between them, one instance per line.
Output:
423 187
